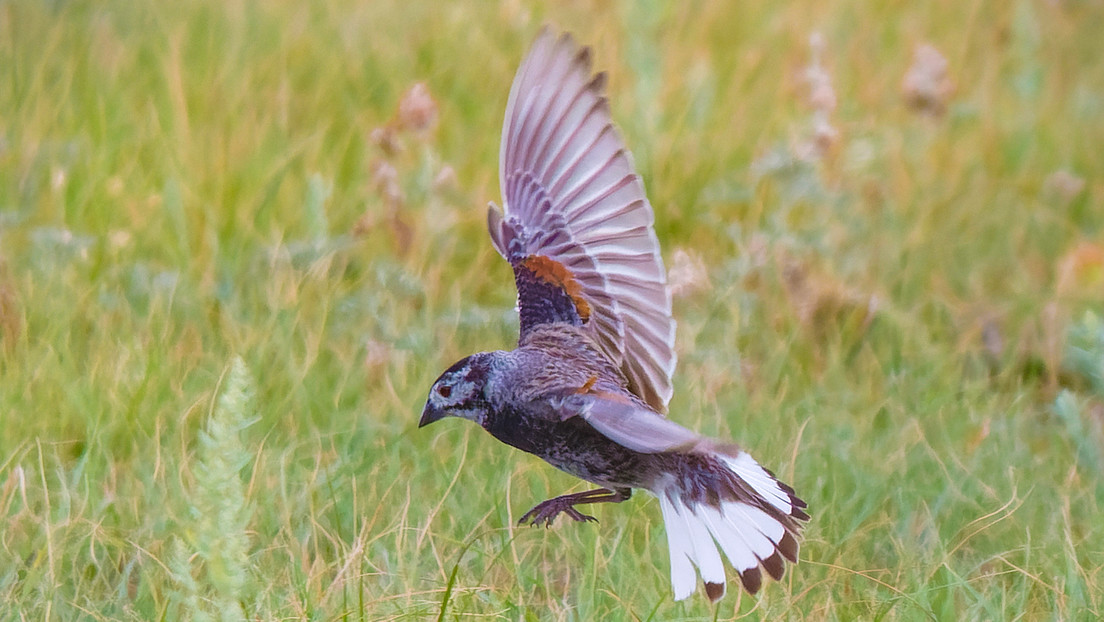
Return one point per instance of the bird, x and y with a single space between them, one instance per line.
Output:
587 387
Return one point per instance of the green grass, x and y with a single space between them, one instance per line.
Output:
907 328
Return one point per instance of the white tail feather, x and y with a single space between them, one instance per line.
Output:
740 550
741 524
683 578
691 535
749 470
756 519
747 535
706 555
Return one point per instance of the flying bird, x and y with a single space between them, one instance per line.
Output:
587 387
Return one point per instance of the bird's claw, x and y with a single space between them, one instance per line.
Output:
547 511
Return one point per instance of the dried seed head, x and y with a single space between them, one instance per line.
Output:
1064 184
417 110
822 100
386 181
822 97
386 139
688 274
377 354
445 179
926 86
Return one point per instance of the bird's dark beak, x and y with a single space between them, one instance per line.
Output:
430 414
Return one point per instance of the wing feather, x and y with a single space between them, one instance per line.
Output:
572 196
629 424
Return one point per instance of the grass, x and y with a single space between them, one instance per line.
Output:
904 323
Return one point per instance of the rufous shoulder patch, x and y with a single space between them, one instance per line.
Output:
555 273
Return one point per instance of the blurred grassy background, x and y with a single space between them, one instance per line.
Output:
897 307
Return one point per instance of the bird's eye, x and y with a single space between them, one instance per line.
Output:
444 391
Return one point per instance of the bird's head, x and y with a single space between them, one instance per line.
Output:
459 392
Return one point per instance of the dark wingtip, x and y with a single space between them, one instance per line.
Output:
597 84
752 579
584 57
715 591
566 40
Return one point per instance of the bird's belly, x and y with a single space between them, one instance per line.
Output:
576 448
573 446
592 468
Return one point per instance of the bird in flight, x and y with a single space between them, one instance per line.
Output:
587 387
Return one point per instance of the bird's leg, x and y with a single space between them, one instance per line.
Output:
546 511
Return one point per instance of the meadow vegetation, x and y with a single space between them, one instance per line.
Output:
237 244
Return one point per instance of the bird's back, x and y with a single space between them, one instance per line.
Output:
556 358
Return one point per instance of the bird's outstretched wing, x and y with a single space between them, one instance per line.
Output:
578 228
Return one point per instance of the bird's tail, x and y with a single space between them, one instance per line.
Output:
727 500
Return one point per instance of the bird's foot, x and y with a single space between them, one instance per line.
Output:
545 512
